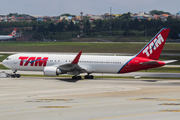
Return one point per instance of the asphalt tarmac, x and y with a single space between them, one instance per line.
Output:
47 98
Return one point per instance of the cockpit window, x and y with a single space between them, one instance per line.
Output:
7 58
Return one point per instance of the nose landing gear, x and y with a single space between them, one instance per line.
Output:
14 75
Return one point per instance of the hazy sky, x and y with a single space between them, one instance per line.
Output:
97 7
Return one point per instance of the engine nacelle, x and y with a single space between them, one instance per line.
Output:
52 71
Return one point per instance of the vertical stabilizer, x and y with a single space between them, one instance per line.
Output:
154 48
13 32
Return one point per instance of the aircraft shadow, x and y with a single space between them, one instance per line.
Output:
150 80
67 80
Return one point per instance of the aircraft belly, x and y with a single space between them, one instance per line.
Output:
106 68
3 38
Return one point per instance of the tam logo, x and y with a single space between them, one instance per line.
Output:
34 61
153 45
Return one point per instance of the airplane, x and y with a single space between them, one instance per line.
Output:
12 35
54 65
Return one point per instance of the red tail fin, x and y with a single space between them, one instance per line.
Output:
154 48
13 32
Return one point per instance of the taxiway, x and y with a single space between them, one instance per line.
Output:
44 98
132 74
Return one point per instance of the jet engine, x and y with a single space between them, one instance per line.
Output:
52 71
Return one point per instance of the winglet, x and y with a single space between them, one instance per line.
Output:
76 59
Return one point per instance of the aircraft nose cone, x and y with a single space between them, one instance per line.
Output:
4 62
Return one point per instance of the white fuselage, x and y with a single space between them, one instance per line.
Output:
5 37
97 64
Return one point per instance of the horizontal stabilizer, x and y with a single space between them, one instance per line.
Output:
169 61
149 63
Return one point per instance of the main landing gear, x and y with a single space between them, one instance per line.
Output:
85 77
14 75
88 77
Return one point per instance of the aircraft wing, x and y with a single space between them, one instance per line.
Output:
73 66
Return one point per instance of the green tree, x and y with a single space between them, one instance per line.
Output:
40 28
34 28
37 36
71 26
60 27
156 12
67 14
126 16
34 19
52 27
88 25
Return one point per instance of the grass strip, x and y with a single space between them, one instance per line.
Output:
90 47
164 70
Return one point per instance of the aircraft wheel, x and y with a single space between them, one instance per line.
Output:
88 77
13 76
79 77
91 77
18 75
74 77
85 77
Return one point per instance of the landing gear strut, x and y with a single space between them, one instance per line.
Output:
15 75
